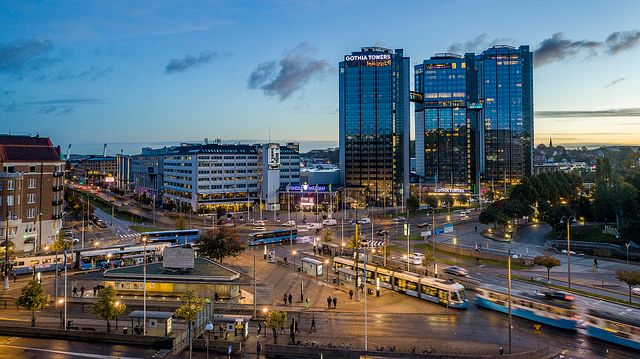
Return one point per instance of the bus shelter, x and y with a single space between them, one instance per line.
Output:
312 267
346 277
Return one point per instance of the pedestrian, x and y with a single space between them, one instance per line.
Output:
259 329
313 324
307 303
335 301
329 302
82 291
501 350
258 349
350 294
15 277
314 250
295 324
290 299
292 327
595 262
285 299
476 229
215 296
282 328
95 288
74 291
286 263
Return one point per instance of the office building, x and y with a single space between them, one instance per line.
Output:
124 178
98 170
237 177
374 126
147 171
446 128
505 84
31 192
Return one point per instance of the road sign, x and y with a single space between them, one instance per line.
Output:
448 228
425 233
536 328
439 231
406 229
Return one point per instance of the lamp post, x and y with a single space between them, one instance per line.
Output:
116 304
293 253
569 220
60 302
326 269
627 245
509 285
208 328
144 285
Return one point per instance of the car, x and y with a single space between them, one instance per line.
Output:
258 223
399 219
423 225
100 223
457 271
635 290
317 226
416 258
558 296
289 223
330 222
364 220
570 252
382 232
424 207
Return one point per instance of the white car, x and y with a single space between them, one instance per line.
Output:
635 290
364 221
314 226
416 258
330 222
399 220
457 271
258 223
289 223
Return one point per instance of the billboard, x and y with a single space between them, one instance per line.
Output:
307 201
361 59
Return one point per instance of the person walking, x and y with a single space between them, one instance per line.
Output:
595 262
285 299
350 294
307 303
82 292
282 328
313 324
258 349
290 299
335 301
329 302
295 325
74 292
259 328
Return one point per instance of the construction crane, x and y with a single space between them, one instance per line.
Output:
104 150
66 157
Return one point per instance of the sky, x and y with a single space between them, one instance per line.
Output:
89 72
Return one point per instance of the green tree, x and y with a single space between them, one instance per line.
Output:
548 262
33 298
107 306
326 235
447 200
275 320
192 304
429 258
630 277
413 203
431 201
181 223
219 243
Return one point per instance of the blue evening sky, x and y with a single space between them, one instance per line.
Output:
143 71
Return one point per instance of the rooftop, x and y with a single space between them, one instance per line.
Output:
204 271
17 148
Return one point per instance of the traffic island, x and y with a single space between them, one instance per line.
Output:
496 235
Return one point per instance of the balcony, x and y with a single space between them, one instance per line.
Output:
10 174
56 216
57 188
58 174
56 202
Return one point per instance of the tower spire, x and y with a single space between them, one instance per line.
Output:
550 143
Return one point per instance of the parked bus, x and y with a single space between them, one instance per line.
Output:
435 290
269 237
184 236
119 256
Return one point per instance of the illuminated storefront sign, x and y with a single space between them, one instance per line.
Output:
307 188
449 190
368 60
307 201
415 96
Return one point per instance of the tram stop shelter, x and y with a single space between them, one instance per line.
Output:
312 267
346 277
158 323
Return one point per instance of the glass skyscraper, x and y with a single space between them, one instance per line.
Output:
446 129
505 83
475 122
374 125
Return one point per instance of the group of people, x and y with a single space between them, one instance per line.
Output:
333 301
287 298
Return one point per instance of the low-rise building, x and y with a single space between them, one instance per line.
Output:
99 170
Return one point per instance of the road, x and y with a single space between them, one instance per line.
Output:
26 348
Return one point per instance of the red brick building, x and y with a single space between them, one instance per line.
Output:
31 192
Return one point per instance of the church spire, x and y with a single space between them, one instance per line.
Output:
550 143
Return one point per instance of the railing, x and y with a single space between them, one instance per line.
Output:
10 174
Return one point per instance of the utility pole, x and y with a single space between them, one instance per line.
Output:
356 247
255 282
509 281
154 209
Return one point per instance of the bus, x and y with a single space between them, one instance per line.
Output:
27 265
277 236
537 307
440 291
184 236
119 256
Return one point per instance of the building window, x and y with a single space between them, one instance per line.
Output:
32 183
10 185
31 213
10 200
31 198
32 169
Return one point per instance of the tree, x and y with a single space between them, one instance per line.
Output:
431 201
33 298
326 235
181 223
216 244
632 278
107 306
447 200
429 258
413 203
276 319
192 304
548 262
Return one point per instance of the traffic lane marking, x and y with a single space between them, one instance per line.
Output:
73 354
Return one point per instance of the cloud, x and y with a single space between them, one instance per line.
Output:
557 47
614 82
284 77
25 55
53 107
616 112
91 74
477 44
622 40
189 61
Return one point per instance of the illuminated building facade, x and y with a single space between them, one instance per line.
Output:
374 126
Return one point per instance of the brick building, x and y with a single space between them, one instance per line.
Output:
31 192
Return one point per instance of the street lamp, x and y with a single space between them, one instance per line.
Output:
116 305
509 288
144 285
208 328
60 302
293 253
569 220
627 245
326 269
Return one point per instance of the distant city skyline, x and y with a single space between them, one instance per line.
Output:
172 72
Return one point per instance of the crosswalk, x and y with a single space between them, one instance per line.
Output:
129 235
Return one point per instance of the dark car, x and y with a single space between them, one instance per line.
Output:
423 225
457 271
558 296
382 232
100 223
